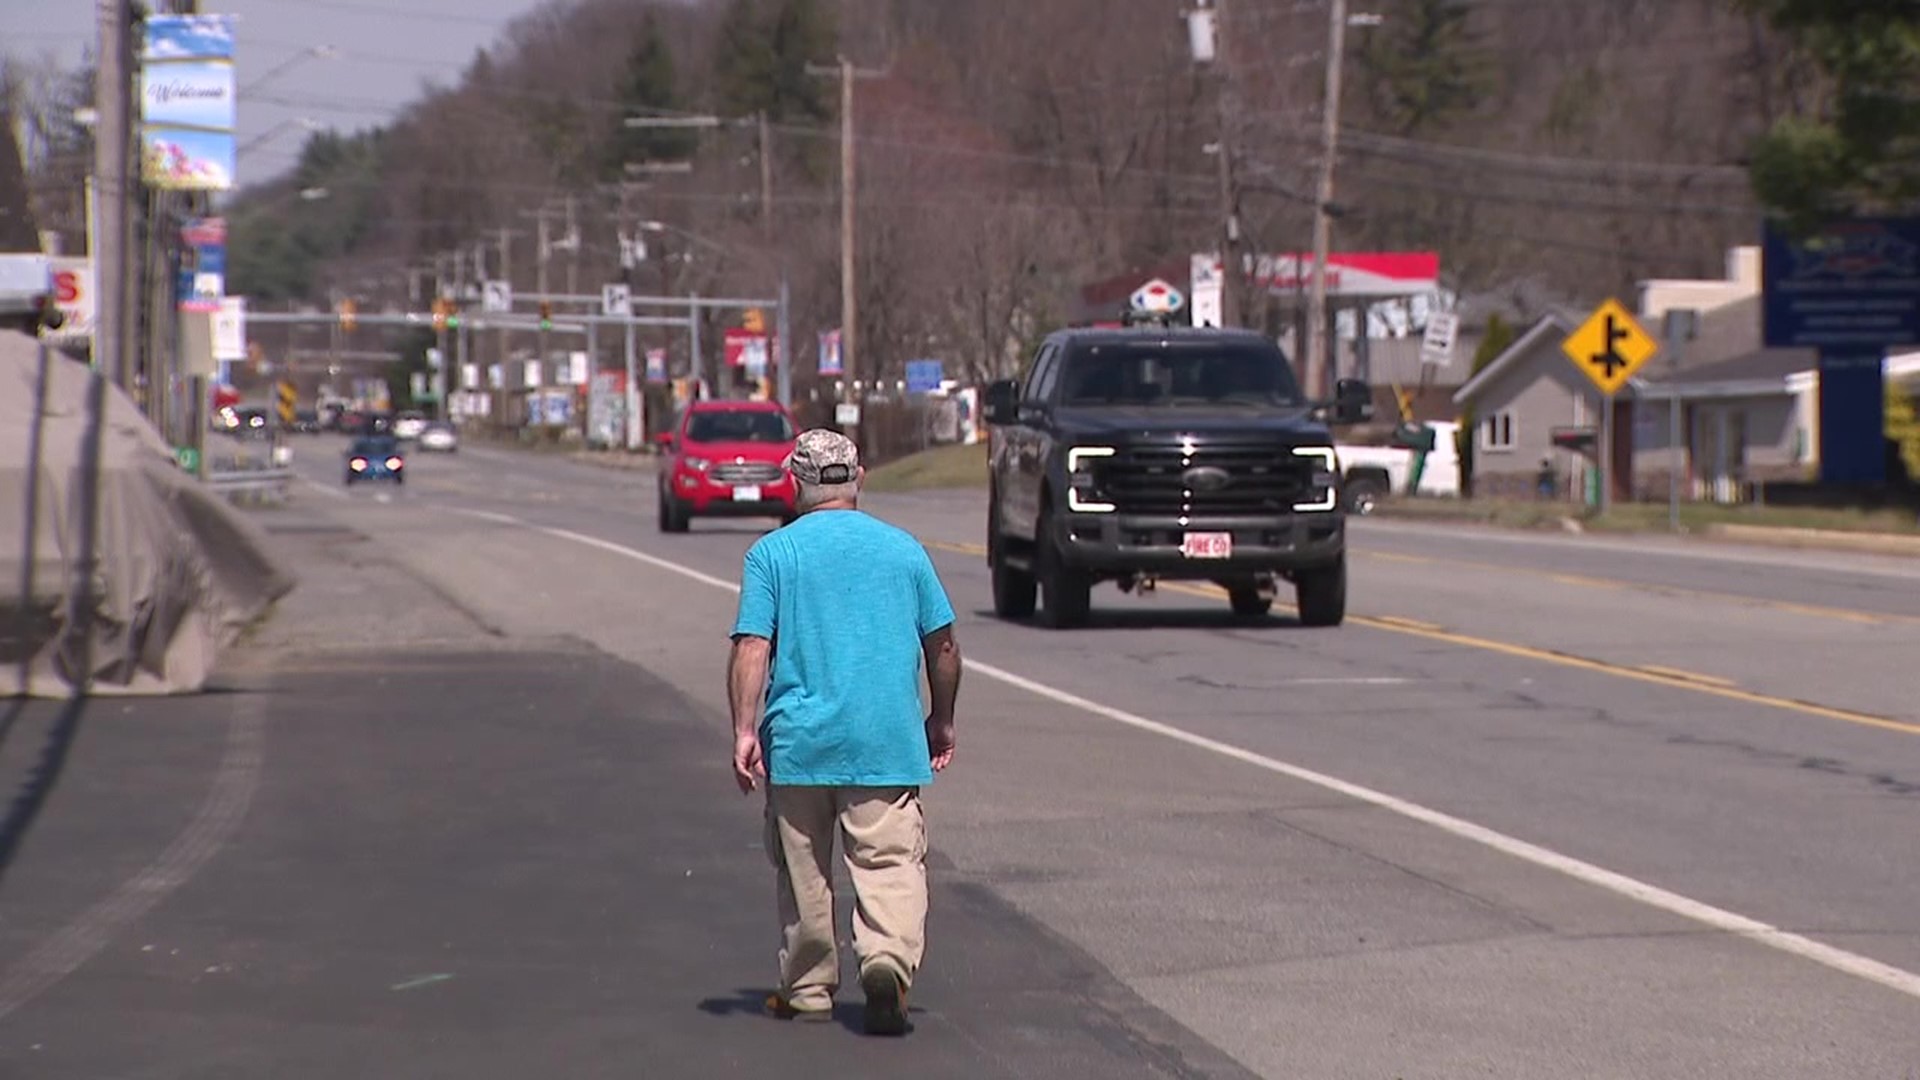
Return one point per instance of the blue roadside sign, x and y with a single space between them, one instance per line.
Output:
924 376
1853 288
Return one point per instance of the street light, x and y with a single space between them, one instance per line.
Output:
304 123
316 52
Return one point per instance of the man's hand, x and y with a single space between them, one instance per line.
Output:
940 742
748 768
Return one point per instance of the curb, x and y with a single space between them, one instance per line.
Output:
1829 539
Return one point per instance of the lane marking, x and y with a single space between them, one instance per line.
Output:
212 826
323 489
1691 676
1733 923
1668 677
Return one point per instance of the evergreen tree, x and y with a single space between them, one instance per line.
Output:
650 89
1423 67
762 56
1498 337
1859 152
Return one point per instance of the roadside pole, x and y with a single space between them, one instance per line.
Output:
1681 325
783 349
693 333
632 395
1606 453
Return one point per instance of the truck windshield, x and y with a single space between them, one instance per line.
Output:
1179 373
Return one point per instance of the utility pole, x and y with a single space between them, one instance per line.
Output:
540 286
1230 313
849 294
113 193
1318 383
766 179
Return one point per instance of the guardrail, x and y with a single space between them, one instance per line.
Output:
251 485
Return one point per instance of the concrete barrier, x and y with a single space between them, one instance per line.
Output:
1871 543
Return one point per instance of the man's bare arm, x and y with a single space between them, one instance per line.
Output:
943 671
747 681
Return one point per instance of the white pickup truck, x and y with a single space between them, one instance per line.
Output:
26 282
1374 472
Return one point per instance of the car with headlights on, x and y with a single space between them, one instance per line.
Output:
376 457
1138 453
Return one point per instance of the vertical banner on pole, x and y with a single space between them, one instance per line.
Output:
187 109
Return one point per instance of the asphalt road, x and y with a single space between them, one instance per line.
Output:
1546 806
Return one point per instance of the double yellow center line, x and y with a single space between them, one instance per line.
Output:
1674 678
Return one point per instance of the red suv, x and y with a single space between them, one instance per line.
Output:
728 459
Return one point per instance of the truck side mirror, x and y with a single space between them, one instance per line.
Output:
1003 402
664 440
1352 402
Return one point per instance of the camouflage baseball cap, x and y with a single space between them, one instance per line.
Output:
823 458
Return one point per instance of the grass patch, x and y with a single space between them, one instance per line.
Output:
956 466
1645 517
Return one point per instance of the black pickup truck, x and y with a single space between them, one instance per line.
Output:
1136 454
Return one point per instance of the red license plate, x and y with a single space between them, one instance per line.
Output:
1207 545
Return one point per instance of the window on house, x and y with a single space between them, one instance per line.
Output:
1496 432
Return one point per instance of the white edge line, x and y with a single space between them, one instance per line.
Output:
1773 937
324 489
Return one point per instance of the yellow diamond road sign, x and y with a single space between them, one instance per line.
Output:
1610 346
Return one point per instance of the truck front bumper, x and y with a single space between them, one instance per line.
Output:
1116 544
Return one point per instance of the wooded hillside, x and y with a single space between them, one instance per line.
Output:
1009 152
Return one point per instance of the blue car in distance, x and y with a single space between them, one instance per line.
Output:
376 457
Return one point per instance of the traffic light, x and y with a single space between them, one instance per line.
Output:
546 315
754 321
349 315
440 306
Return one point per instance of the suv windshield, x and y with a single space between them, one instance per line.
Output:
743 426
1179 373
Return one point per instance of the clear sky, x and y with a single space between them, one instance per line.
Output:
384 53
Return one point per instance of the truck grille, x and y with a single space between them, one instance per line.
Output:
751 472
1262 478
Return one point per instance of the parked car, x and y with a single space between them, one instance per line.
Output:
408 425
728 458
439 435
376 457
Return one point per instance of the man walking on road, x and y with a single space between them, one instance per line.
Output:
837 612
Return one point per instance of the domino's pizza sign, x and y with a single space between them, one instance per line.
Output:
1157 297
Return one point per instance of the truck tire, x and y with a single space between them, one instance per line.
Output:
1247 601
1322 594
673 517
1363 494
1066 592
1013 588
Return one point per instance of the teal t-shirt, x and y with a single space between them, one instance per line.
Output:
845 599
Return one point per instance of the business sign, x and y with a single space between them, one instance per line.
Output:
1351 275
73 294
924 376
830 363
656 365
746 349
577 373
187 108
202 282
230 329
1436 346
1854 287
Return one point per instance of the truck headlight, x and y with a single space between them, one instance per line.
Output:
1081 486
1325 479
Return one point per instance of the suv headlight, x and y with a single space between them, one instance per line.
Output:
697 464
1325 480
1082 488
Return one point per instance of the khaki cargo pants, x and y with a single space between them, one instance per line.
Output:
884 843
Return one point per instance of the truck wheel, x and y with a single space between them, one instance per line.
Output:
1248 602
1013 588
1363 496
1322 594
1067 593
673 517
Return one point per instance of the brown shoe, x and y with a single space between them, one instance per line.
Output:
780 1008
886 991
